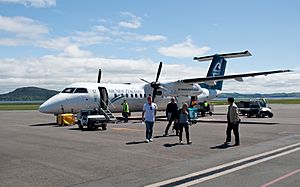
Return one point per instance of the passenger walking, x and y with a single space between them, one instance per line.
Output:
183 119
125 112
148 115
233 122
171 112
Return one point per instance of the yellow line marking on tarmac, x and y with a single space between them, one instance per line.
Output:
127 129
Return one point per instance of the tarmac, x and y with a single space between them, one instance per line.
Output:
34 151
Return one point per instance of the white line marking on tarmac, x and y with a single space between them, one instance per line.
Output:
281 178
197 181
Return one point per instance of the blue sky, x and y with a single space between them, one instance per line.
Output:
52 43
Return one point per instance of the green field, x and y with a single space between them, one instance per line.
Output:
35 106
271 101
19 106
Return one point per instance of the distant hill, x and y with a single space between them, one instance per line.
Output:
41 94
28 94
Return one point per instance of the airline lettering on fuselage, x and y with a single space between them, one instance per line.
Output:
217 68
125 91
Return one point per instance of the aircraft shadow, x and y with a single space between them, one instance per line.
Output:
135 142
222 146
44 124
85 129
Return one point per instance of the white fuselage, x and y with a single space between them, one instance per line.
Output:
81 96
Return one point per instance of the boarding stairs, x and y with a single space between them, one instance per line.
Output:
107 113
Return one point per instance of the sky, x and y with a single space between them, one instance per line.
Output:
53 43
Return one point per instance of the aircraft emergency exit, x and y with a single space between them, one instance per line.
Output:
79 96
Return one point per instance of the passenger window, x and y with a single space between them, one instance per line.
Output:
136 95
68 90
126 95
131 95
141 95
81 90
145 95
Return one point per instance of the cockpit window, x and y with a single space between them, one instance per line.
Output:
68 90
81 90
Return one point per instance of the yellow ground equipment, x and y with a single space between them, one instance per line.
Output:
66 119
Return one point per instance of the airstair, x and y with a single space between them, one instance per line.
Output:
107 113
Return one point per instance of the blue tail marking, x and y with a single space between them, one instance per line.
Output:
216 68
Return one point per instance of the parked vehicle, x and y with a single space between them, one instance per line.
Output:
91 119
255 107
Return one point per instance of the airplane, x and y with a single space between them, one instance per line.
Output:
79 96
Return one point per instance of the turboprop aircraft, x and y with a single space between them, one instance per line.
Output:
82 96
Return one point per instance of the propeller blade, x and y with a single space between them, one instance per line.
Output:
158 71
145 81
99 76
154 94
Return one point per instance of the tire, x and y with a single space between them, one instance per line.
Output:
249 115
79 125
270 114
262 115
89 126
243 113
104 126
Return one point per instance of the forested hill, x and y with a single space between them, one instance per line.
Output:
28 94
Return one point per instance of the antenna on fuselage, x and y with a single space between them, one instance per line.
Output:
99 76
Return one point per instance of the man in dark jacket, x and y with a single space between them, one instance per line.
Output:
171 112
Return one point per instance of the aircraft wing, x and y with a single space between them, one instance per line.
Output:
237 77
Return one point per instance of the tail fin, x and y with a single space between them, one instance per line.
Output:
217 68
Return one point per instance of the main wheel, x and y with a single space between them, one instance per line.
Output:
270 114
104 126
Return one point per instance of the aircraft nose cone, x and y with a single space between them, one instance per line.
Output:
51 105
45 108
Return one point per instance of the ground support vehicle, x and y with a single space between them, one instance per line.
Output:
91 119
255 107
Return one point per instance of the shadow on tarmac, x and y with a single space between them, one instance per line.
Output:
168 145
44 124
135 142
161 136
222 146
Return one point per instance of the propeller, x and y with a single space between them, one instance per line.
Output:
155 84
99 76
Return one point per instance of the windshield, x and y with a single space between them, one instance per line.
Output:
68 90
81 90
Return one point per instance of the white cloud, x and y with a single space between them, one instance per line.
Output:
101 28
133 23
88 38
59 43
32 3
55 72
184 49
282 82
151 38
22 26
75 52
11 41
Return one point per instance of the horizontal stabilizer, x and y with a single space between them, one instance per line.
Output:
227 55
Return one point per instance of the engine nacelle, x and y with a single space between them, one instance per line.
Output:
181 89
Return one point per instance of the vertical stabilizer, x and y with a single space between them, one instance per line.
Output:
216 68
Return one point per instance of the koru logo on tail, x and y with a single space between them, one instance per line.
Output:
217 68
